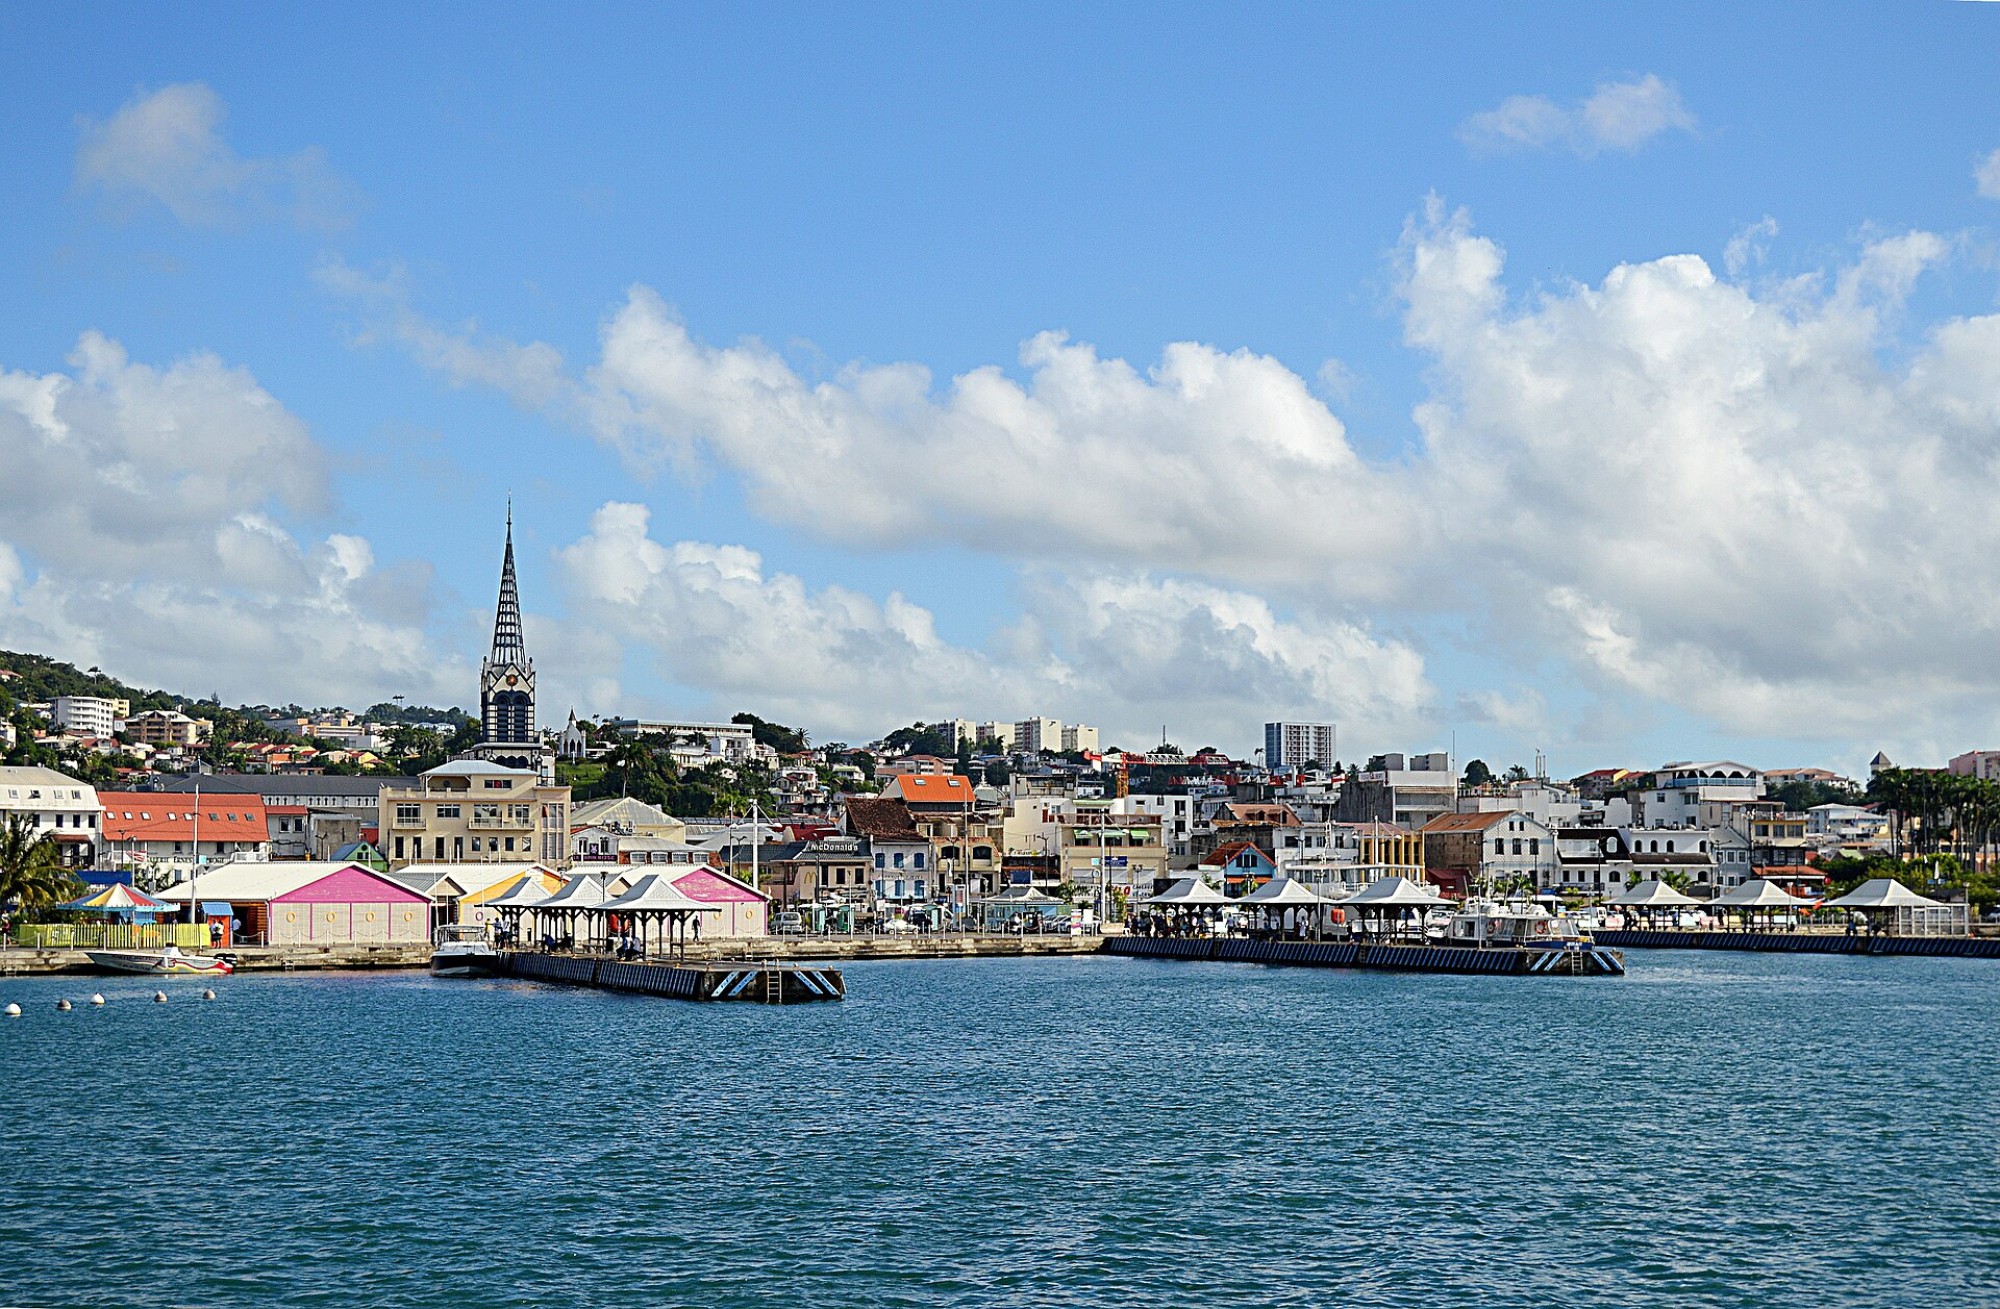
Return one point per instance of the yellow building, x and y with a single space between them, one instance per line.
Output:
468 811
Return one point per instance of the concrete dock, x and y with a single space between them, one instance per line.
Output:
1590 962
1952 947
750 982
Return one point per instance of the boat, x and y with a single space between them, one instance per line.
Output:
461 950
169 961
1486 923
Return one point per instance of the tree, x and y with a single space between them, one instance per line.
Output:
31 873
1516 773
785 740
1477 773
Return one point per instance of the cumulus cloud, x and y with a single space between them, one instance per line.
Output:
1126 651
140 529
166 147
1617 116
1987 176
1764 506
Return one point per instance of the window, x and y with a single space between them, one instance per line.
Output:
1534 845
407 813
439 855
917 861
1499 847
399 847
496 784
475 845
486 813
447 811
881 861
1517 845
510 844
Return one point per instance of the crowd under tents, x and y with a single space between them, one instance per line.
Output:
514 903
1894 909
1394 906
1284 904
659 911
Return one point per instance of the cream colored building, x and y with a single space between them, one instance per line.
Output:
166 727
469 811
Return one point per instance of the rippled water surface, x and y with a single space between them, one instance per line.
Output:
1713 1130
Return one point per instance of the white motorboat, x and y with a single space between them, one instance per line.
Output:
168 961
1491 922
463 951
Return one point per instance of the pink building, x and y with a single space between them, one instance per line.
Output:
311 903
744 911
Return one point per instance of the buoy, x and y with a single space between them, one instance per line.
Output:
12 1011
159 997
96 999
208 995
64 1005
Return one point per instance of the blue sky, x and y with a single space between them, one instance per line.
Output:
1430 464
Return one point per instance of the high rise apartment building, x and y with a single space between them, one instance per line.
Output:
1290 745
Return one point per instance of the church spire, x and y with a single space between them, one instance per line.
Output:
508 647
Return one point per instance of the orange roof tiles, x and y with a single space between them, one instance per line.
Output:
169 816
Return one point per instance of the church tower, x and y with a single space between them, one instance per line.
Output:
507 678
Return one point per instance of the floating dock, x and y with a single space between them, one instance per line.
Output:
1590 961
752 981
1953 947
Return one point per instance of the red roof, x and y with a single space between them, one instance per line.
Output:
1469 822
170 816
951 789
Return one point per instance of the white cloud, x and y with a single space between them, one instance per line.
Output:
166 146
1765 507
1987 176
1748 246
1125 651
1619 116
139 530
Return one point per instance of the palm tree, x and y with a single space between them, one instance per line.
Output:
31 871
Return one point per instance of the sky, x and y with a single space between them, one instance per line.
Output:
1621 385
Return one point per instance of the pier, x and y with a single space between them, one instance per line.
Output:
1595 961
751 981
1951 947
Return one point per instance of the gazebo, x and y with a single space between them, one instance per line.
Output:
1759 894
519 899
582 896
1393 894
118 900
655 903
1283 896
1185 903
1895 910
1651 896
998 912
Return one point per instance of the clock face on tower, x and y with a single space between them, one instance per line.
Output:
513 679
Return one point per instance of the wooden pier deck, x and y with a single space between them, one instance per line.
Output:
1597 962
752 981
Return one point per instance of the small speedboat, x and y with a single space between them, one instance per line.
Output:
463 951
169 961
1485 922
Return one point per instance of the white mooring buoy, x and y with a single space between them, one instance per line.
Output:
159 997
208 995
12 1011
64 1005
96 998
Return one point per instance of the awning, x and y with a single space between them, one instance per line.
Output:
217 909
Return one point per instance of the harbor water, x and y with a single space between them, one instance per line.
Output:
1711 1130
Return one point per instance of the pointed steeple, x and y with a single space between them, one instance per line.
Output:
507 644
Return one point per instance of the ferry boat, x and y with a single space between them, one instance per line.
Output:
166 962
460 950
1490 923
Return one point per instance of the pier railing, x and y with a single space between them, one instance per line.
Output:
111 936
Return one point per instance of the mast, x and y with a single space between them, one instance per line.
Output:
756 839
194 873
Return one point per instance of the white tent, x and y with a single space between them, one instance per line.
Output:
1394 893
1188 892
524 894
1883 893
1760 894
1283 893
1652 895
583 891
654 893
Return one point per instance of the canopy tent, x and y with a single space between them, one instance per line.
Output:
1896 909
1394 893
119 898
1393 898
1283 896
1883 893
655 902
581 897
512 904
1758 893
1188 892
1015 902
1654 894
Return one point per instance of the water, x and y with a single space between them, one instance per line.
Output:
1713 1130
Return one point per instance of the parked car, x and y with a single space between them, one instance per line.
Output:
788 923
